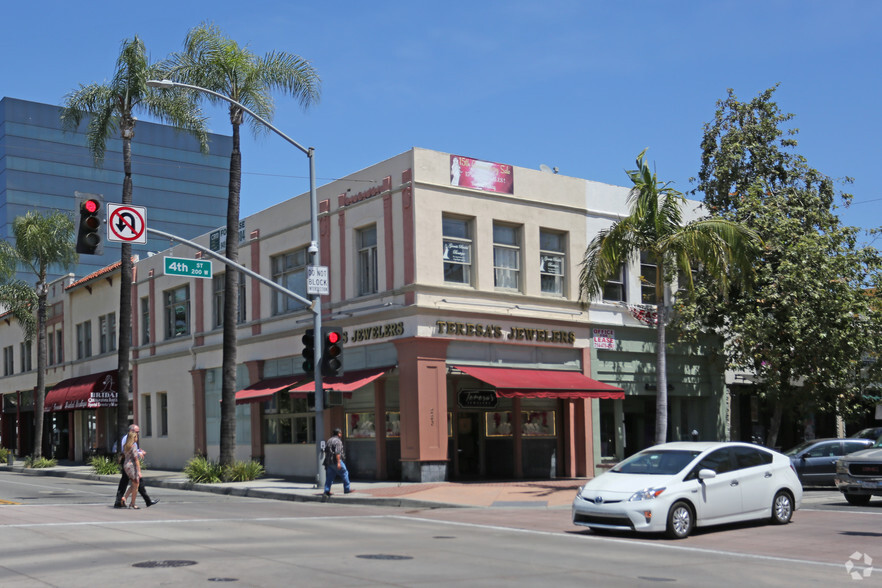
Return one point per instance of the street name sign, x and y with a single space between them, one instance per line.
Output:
193 268
317 280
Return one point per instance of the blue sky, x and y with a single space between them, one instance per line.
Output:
579 85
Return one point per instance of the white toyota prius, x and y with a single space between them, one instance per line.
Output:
674 487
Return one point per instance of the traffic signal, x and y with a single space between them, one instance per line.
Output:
308 351
89 241
332 352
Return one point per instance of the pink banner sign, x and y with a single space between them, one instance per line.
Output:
481 175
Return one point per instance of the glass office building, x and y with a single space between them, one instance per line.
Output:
42 167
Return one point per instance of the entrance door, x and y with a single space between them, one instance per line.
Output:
468 444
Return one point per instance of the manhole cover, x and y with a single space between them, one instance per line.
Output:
223 579
383 556
166 563
443 537
651 579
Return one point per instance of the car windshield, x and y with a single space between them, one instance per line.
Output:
657 461
878 442
799 448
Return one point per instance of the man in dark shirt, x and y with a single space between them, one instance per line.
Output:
334 464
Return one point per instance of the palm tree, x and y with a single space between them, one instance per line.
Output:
41 241
654 227
212 61
110 107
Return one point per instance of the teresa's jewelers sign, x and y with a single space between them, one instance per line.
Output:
497 332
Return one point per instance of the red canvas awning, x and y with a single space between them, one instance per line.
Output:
518 383
264 389
348 382
92 391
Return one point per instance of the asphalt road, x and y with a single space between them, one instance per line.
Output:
63 532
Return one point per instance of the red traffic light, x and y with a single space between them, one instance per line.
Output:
333 337
91 206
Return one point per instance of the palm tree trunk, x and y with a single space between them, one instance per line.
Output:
125 301
661 406
40 391
231 303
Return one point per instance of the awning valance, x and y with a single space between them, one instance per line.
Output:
520 383
92 391
264 389
348 382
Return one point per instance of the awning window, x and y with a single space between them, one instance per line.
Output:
264 389
520 383
83 392
348 382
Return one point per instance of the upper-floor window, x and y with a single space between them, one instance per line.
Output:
219 295
26 352
145 320
648 275
50 347
177 311
107 328
8 361
59 347
506 256
366 243
614 289
84 340
552 262
457 253
289 270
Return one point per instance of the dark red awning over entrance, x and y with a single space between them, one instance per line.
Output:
519 383
84 392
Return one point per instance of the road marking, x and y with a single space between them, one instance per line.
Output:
8 502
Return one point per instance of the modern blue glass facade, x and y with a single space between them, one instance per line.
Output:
42 166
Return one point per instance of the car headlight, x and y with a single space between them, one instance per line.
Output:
841 467
646 494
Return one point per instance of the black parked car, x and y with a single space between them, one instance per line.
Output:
815 461
871 433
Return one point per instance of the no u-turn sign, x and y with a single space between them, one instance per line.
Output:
126 223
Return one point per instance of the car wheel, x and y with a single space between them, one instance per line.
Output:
782 508
858 499
681 521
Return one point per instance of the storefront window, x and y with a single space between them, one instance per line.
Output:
393 424
537 423
360 425
288 420
498 424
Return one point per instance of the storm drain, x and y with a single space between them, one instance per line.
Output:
384 556
165 563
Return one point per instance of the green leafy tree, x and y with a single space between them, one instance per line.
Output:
110 108
655 228
212 61
806 324
41 241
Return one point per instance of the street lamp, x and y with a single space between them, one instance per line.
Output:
316 307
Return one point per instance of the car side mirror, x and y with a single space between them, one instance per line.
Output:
706 474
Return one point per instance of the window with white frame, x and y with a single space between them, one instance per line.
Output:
289 271
288 420
614 289
26 351
219 295
162 401
147 420
366 244
145 320
177 311
457 254
648 274
84 340
8 361
107 328
552 262
506 256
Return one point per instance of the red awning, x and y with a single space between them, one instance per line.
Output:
263 389
92 391
518 383
348 382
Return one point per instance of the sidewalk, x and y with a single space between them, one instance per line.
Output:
555 493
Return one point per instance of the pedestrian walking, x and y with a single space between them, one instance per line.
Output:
335 465
124 481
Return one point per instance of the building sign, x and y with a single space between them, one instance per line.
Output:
457 252
346 199
490 331
375 332
481 175
217 240
604 339
477 399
